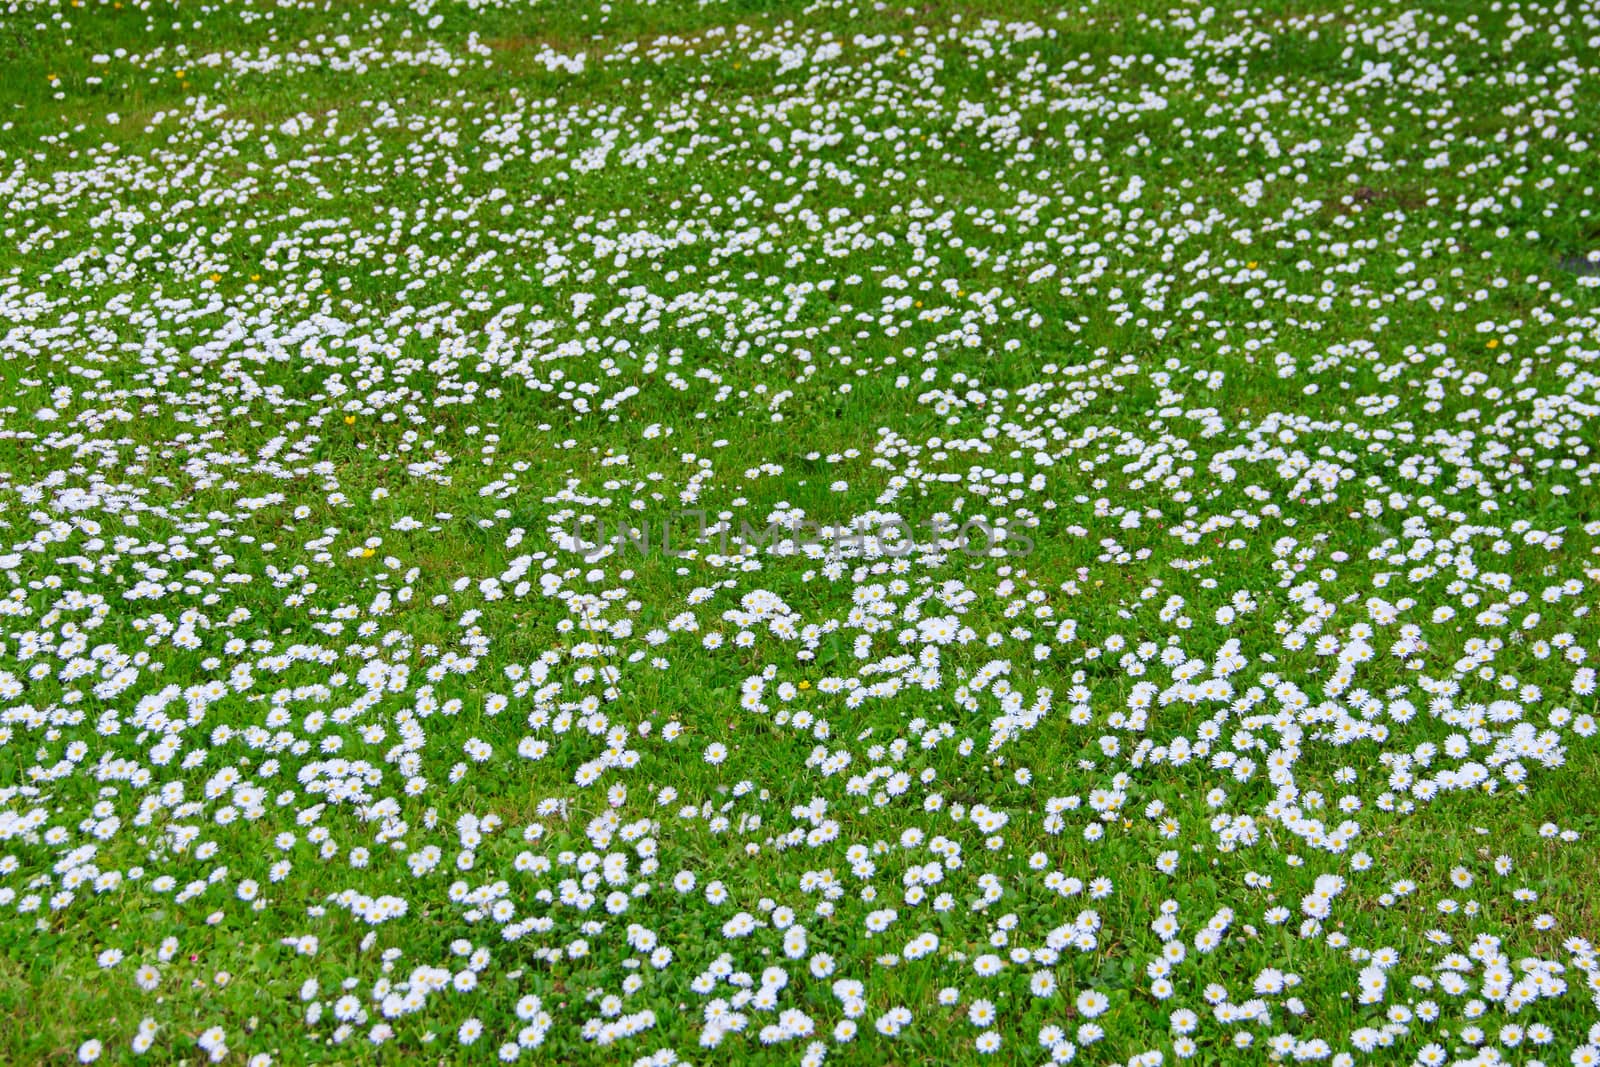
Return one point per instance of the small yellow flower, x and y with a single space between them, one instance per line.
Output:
180 73
255 277
367 553
1494 342
804 684
1250 265
901 53
215 276
349 420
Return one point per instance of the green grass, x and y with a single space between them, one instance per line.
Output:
322 323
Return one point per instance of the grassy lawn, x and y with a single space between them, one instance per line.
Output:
733 532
